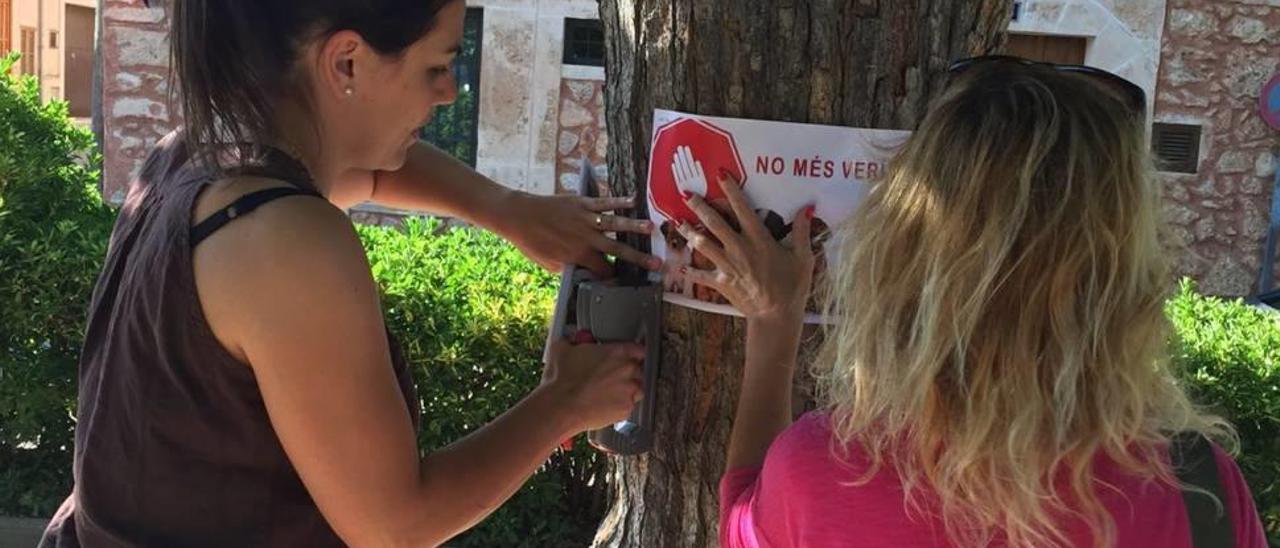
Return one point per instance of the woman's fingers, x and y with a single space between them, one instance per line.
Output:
601 205
714 279
800 231
751 225
617 223
703 244
626 253
593 260
713 221
628 351
629 373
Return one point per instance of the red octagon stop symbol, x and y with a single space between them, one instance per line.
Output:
711 146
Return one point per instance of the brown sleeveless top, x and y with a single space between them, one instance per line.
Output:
173 443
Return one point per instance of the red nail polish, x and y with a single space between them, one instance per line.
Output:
687 195
808 212
724 174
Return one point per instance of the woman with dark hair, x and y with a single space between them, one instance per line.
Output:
238 386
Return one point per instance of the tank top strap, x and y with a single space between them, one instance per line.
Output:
256 161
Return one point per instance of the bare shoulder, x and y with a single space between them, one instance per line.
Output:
292 229
272 265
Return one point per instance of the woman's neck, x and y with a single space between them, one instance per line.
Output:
298 135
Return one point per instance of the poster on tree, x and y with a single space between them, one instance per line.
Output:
782 167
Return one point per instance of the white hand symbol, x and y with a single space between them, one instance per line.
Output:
688 172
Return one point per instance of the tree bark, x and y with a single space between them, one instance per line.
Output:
865 63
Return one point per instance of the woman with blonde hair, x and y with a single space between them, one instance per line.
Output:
996 372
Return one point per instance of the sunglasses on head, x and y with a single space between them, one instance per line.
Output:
1132 95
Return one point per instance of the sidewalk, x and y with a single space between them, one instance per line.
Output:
20 532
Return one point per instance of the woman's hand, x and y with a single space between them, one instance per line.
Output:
765 279
596 384
567 229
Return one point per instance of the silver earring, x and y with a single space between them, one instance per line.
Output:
349 92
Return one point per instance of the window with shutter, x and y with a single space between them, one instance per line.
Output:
6 26
1176 147
28 63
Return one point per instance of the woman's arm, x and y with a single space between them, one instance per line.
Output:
768 281
552 230
432 180
764 403
288 290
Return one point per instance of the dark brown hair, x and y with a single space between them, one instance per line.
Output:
233 59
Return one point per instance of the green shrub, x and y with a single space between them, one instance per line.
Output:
1229 355
53 236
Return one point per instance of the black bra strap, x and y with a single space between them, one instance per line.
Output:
241 207
1195 465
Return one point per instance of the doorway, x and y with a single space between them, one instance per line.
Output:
79 60
1063 50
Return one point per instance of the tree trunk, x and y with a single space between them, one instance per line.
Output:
865 63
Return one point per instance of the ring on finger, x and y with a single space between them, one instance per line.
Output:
599 222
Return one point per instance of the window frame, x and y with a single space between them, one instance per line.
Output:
28 36
6 26
574 42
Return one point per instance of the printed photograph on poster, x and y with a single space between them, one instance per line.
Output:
782 167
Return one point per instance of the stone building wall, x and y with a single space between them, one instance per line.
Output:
135 89
520 83
582 133
1217 54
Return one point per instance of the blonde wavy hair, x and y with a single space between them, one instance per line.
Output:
1000 299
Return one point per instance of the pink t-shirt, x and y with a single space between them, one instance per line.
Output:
800 498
